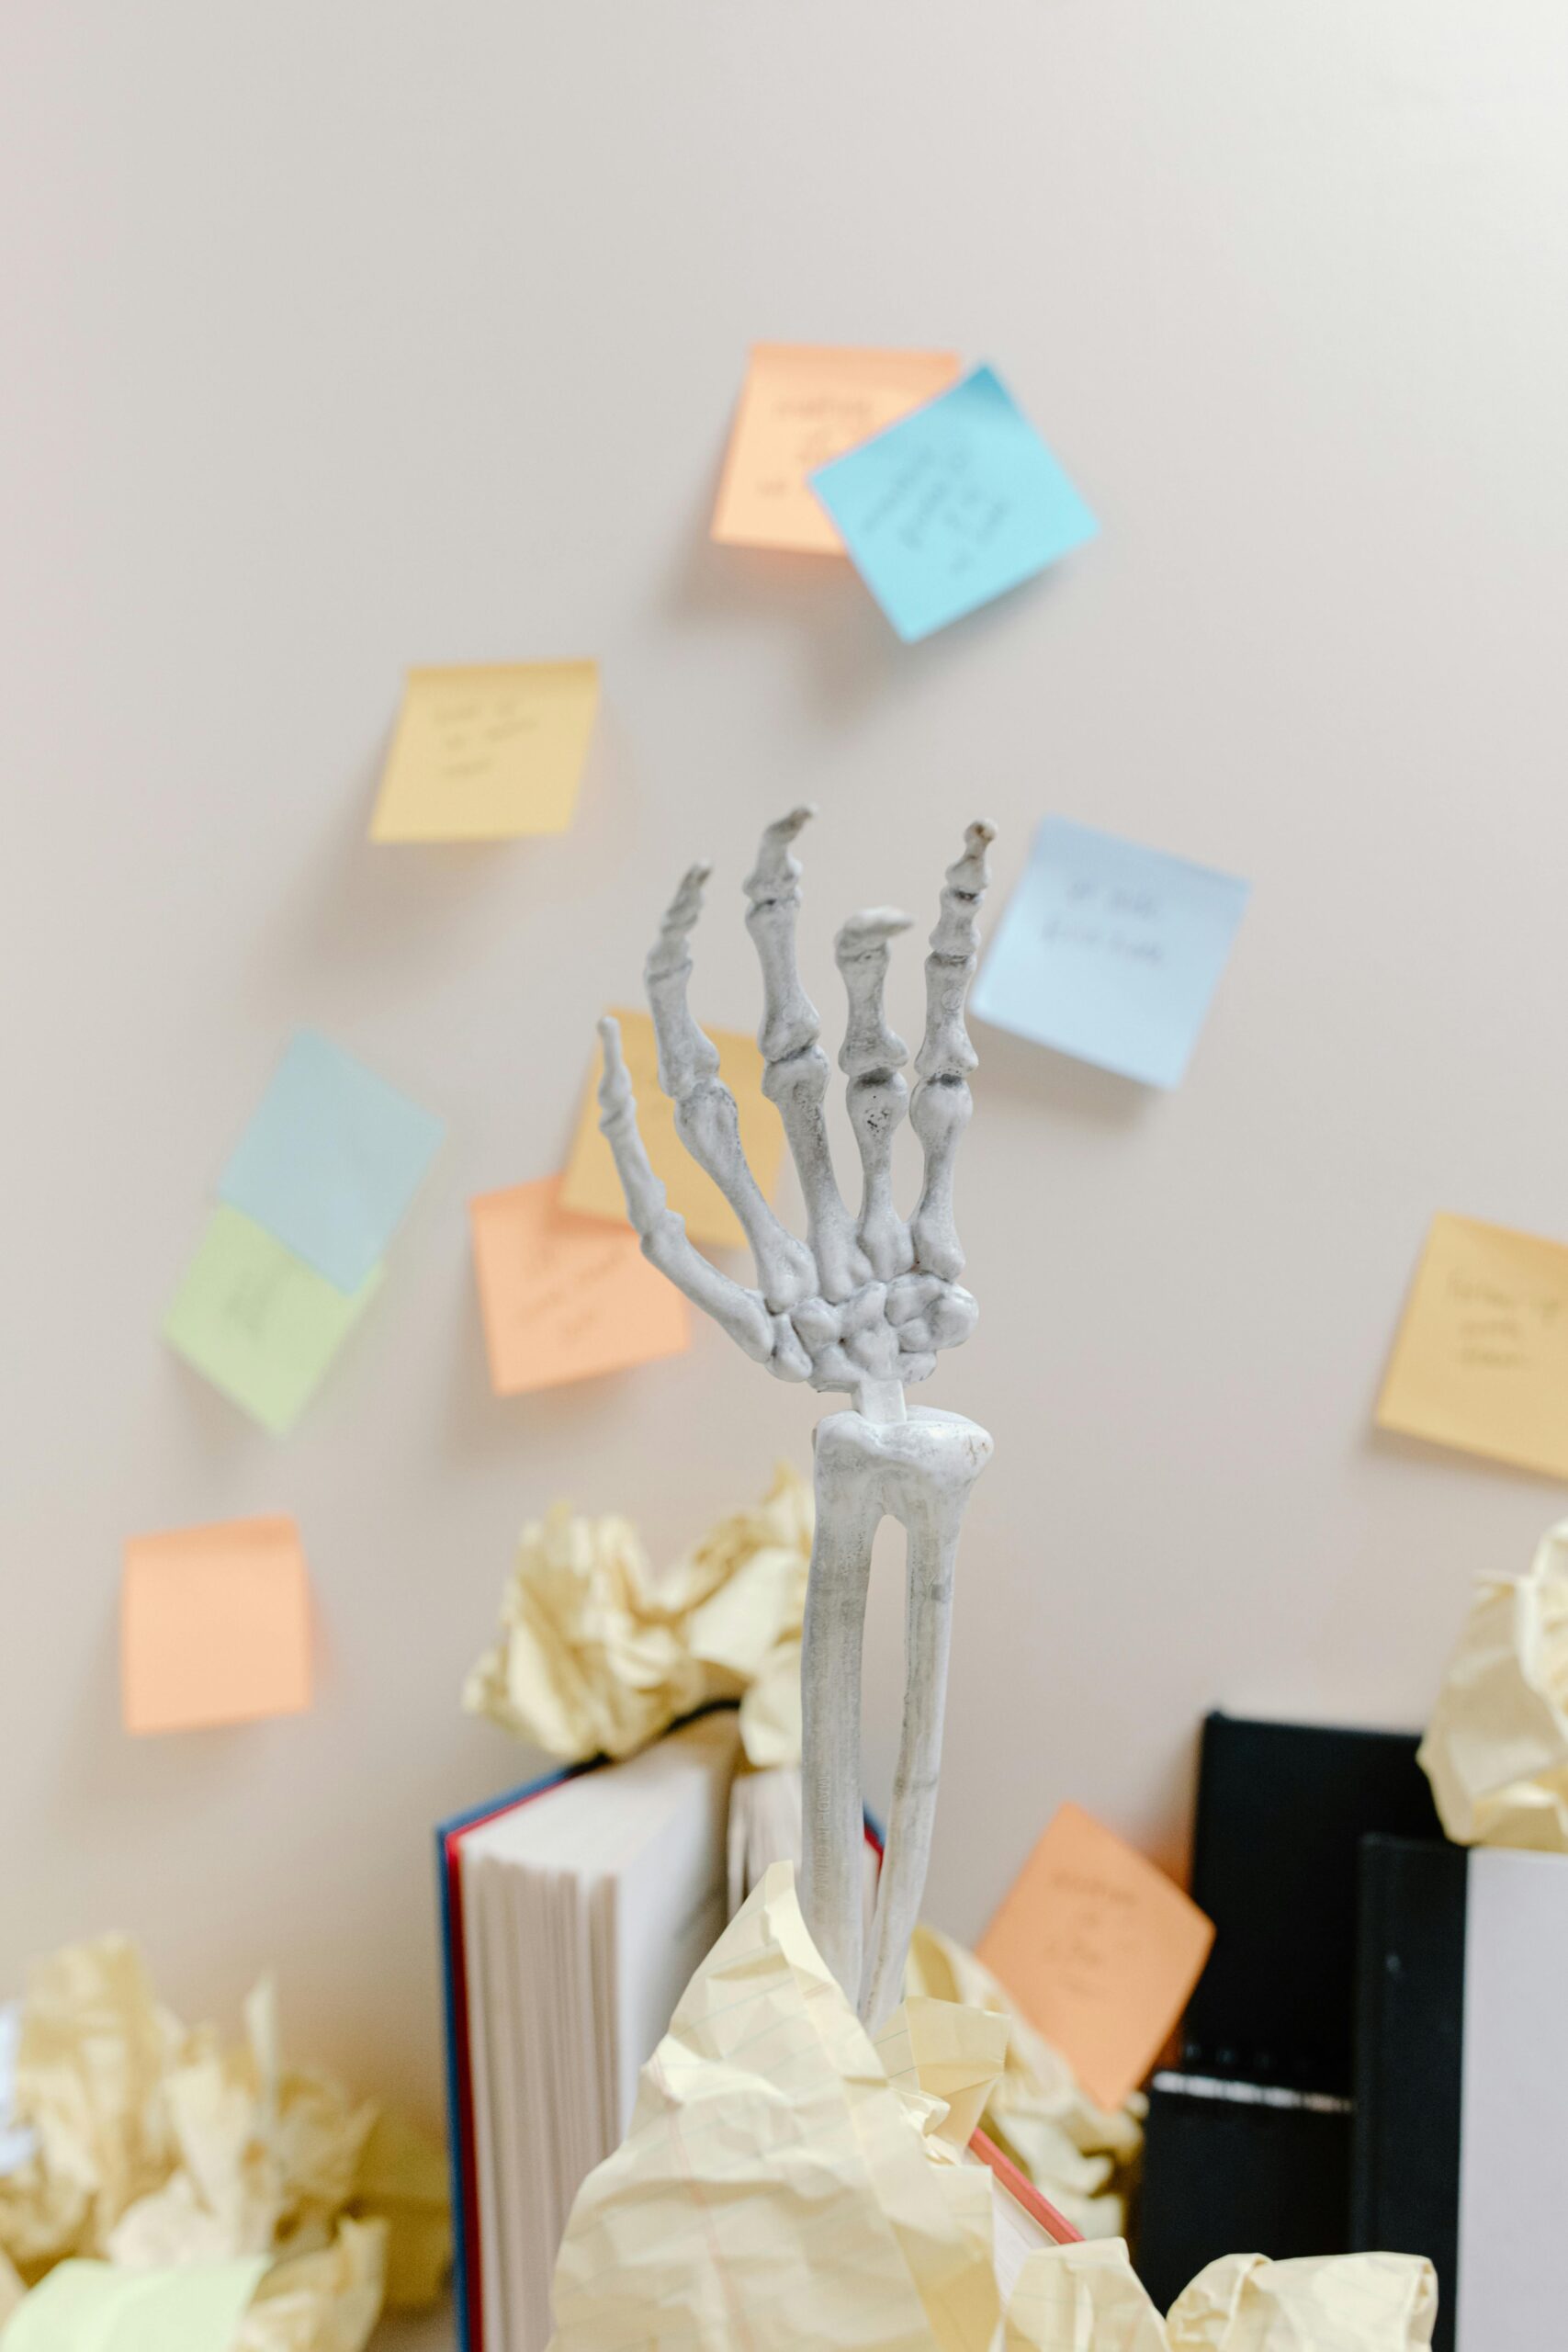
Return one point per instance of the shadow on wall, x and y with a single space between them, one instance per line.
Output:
853 655
1015 1070
368 907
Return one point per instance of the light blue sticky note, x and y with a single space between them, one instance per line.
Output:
1110 952
331 1161
952 505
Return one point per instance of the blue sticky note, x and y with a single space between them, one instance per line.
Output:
331 1161
952 505
1110 952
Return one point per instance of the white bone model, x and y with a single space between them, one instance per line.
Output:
864 1303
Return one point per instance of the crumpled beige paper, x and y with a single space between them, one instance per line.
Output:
783 2183
328 2301
1496 1748
1036 2112
597 1655
158 2148
11 2288
1088 2299
773 2188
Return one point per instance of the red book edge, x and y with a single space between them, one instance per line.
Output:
1023 2192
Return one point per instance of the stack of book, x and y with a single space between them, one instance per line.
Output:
1377 2053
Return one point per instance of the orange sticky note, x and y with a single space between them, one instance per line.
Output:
1480 1361
1100 1950
565 1298
803 403
487 750
215 1625
590 1185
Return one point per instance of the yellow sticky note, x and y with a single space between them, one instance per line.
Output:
1100 1950
1480 1361
802 405
565 1298
590 1185
215 1625
487 752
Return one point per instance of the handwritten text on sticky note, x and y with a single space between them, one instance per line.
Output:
1480 1361
331 1161
592 1186
803 404
487 752
257 1323
954 504
1110 952
1100 1950
566 1297
215 1625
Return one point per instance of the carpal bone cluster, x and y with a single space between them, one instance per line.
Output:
866 1301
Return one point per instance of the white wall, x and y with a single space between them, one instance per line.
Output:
383 332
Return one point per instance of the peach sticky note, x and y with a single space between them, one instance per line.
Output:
1100 1950
590 1185
802 405
1480 1361
215 1625
565 1298
487 752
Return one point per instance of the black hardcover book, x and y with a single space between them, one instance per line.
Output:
1409 2043
1249 2137
1281 1812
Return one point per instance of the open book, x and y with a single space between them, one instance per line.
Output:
570 1929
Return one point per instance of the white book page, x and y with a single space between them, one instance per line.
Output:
610 2068
671 1900
479 2007
507 2061
1513 2165
532 2188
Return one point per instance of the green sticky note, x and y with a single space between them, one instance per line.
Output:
258 1323
94 2307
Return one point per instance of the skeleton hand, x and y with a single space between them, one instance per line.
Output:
865 1303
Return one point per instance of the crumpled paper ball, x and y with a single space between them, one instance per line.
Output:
786 2183
1036 2110
1088 2299
1496 1748
598 1655
152 2147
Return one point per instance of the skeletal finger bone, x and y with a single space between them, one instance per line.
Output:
941 1105
705 1116
662 1233
870 1058
794 1076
